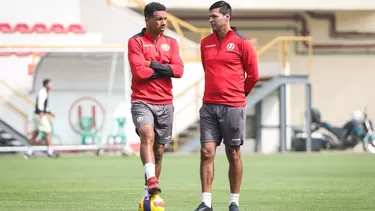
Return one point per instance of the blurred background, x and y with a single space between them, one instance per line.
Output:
316 54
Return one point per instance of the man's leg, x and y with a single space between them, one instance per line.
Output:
146 133
234 173
210 138
158 155
49 145
208 151
143 120
32 142
163 132
158 152
45 126
233 125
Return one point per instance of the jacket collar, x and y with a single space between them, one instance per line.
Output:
148 36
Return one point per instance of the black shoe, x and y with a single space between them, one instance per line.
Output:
54 155
233 207
28 156
203 207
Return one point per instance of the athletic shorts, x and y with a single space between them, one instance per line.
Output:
159 116
42 124
222 122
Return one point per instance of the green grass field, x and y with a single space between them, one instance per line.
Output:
319 182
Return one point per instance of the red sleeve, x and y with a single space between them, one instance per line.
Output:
250 63
137 61
176 63
202 55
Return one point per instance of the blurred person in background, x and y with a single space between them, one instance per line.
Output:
41 121
231 71
154 59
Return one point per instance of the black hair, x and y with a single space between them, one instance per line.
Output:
46 81
152 7
225 8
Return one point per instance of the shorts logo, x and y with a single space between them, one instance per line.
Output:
230 46
139 119
165 47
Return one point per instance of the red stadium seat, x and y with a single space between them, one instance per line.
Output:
22 54
5 28
40 28
76 29
58 29
22 28
37 54
5 54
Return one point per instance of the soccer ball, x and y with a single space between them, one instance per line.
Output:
151 203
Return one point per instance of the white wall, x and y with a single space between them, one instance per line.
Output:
40 11
276 5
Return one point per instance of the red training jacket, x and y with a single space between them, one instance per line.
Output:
152 83
225 64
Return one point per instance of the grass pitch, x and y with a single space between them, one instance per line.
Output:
291 182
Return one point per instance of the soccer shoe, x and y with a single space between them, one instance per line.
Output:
203 207
28 156
233 207
53 155
153 186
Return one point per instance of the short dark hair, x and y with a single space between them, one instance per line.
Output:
46 81
225 8
152 7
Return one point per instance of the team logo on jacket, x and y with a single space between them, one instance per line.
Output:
165 47
230 46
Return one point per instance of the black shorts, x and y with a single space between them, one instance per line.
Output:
158 116
218 122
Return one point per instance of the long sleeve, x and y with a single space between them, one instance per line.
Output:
137 61
175 68
202 55
250 63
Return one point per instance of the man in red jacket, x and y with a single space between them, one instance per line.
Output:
231 71
154 59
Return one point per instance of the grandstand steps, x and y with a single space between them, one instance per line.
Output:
10 137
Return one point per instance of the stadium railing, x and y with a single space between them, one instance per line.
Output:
19 111
15 107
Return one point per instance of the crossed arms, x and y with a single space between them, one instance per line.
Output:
146 70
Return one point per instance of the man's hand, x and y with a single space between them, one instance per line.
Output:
52 114
148 63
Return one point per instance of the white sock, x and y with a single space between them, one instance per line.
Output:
234 198
206 198
145 191
149 170
50 150
29 151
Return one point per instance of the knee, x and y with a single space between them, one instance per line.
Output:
207 153
233 154
146 134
